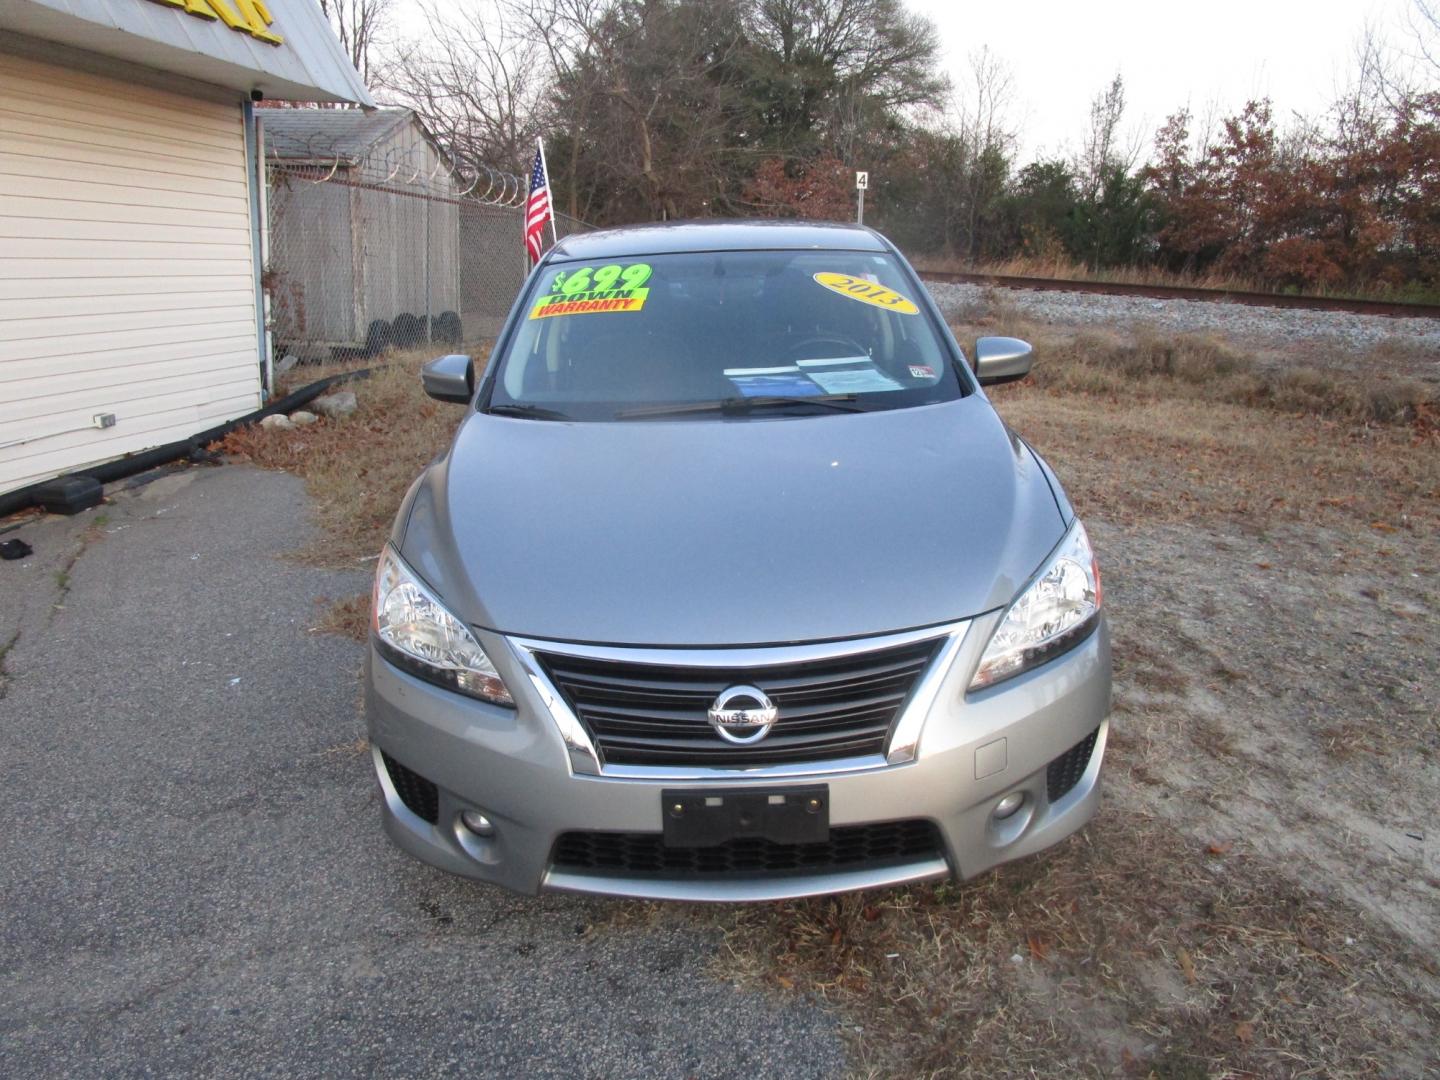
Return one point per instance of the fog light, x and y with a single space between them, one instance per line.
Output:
1007 806
477 823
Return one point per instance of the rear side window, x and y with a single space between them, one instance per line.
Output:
598 339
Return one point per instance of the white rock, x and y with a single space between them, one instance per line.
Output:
289 361
336 405
302 417
277 420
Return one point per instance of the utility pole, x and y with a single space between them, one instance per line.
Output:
862 181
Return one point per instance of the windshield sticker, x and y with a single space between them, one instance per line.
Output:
867 292
772 381
922 371
848 375
588 290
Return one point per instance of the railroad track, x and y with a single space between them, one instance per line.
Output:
1177 292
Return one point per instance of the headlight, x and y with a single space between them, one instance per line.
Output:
1055 612
418 635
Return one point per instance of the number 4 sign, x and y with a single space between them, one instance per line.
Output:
862 181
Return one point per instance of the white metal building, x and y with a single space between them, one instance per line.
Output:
131 216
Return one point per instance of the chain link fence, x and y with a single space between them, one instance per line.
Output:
394 249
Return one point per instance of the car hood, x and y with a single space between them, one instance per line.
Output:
732 531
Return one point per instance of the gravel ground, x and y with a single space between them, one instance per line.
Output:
193 875
1317 338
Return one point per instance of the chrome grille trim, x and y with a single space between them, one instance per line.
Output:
585 759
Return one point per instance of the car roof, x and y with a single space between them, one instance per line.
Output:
717 235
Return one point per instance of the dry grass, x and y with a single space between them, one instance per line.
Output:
1182 460
1191 429
348 618
1143 366
1128 950
1064 269
357 469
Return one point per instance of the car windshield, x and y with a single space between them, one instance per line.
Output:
737 333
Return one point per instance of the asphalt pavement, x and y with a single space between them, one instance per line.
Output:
193 880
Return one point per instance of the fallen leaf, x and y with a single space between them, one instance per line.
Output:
871 913
787 983
1219 848
1245 1031
1038 948
1186 964
1262 566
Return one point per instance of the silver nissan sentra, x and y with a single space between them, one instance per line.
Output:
733 586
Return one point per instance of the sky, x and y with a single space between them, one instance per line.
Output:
1299 53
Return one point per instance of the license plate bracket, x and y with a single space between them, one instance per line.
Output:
706 817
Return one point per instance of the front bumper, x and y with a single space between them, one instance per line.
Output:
515 767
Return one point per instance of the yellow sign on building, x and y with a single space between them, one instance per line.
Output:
247 16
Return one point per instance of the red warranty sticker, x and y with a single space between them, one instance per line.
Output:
921 371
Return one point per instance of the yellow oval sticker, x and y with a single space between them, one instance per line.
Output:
867 292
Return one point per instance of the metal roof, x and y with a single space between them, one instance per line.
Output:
307 65
718 235
325 134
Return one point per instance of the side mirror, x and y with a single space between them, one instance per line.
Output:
449 378
1002 359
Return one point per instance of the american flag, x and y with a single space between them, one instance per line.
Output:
537 207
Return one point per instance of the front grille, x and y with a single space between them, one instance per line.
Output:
645 854
1067 769
420 796
650 714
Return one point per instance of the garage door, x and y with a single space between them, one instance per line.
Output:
126 282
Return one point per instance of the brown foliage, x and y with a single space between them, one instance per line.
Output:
815 191
1353 206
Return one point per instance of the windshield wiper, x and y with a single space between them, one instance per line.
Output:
743 406
528 412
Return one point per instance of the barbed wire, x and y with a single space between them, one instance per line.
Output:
393 249
318 159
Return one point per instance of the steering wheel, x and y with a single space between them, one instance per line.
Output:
847 347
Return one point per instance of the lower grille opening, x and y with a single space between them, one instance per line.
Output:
420 796
1067 769
849 847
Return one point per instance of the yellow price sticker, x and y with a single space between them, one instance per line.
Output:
867 292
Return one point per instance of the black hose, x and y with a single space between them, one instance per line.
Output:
131 464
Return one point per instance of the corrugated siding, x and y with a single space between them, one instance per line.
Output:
310 65
126 281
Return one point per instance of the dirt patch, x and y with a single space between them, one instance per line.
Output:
1131 949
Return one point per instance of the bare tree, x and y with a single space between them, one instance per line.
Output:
982 141
638 96
837 69
1425 28
566 31
360 25
477 80
1102 151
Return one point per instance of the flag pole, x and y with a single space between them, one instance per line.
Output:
549 190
